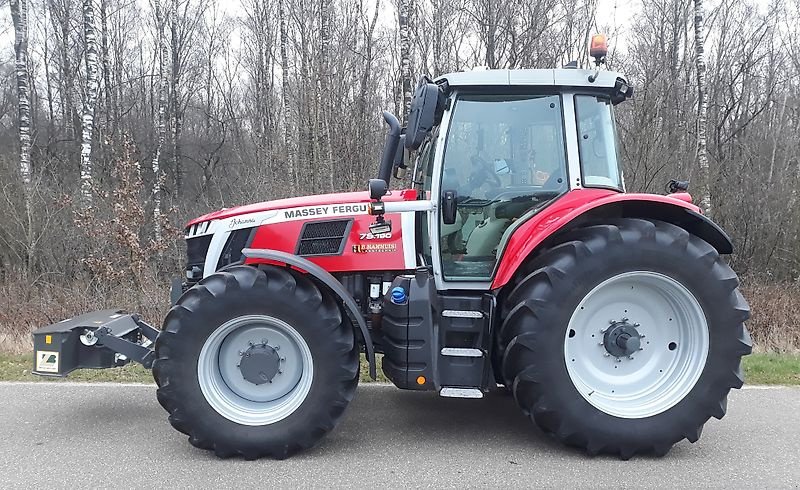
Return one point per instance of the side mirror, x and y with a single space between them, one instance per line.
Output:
449 207
426 107
377 189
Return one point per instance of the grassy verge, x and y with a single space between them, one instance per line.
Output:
772 369
761 368
18 368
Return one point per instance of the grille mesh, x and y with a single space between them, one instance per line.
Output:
323 237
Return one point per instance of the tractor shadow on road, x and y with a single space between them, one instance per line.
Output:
382 416
385 415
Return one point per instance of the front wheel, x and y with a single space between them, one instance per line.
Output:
626 338
255 363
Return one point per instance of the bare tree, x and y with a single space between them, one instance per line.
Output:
404 13
87 122
702 106
161 124
19 15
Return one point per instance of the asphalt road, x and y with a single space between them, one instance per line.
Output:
117 436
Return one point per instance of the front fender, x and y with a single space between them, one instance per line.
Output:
586 206
331 282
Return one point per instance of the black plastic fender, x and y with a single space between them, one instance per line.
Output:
695 223
327 279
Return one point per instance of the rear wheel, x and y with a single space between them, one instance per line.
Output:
255 363
626 338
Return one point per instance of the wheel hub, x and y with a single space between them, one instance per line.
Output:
622 339
260 364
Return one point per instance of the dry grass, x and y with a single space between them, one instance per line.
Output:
775 321
29 303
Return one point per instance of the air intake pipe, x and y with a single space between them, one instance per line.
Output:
389 147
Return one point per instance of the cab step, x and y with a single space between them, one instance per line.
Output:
461 352
460 392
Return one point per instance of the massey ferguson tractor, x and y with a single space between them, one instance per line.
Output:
514 260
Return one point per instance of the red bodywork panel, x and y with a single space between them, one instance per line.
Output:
362 251
555 216
293 202
358 255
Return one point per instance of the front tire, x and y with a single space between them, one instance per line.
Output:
626 338
255 362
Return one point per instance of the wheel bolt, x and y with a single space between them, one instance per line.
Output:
280 372
277 347
241 353
630 357
606 354
250 343
283 358
264 341
619 360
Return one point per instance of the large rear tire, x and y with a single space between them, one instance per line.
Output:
255 362
626 338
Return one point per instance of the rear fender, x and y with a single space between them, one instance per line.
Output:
586 206
324 277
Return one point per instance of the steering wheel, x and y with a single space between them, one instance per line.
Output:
483 173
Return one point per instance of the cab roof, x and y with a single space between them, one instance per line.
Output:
560 77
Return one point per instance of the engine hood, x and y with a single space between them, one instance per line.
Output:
293 202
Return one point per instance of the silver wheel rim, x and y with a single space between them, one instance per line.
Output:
674 344
239 400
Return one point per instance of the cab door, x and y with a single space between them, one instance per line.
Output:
503 159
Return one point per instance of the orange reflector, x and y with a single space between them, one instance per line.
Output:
421 380
48 339
599 46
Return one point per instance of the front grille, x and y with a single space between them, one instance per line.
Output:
196 249
232 251
323 237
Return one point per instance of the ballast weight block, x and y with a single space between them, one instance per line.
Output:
97 340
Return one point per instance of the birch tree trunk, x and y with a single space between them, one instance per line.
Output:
19 16
175 101
405 57
702 107
161 126
87 122
108 90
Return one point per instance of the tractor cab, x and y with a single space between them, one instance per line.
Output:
494 148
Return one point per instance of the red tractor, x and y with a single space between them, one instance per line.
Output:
515 259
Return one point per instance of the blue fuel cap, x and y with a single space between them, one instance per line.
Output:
398 295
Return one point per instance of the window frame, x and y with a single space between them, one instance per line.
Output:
621 186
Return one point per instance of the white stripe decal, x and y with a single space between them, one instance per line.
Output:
407 223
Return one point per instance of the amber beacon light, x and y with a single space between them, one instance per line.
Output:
598 49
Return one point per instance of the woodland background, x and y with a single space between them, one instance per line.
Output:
120 119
